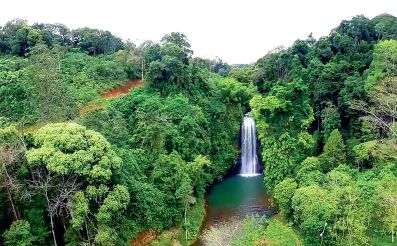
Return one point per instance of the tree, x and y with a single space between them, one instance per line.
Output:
385 26
313 209
18 234
67 148
95 42
168 75
14 94
334 152
178 39
220 67
133 59
381 108
57 192
330 120
279 234
310 172
34 37
387 204
16 33
196 171
115 203
12 149
243 74
352 217
283 192
280 159
68 159
51 101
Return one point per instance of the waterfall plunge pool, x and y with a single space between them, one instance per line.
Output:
237 197
234 199
242 195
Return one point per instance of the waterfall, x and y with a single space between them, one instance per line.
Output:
249 157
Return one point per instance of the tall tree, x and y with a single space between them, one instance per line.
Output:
50 97
387 204
12 150
334 151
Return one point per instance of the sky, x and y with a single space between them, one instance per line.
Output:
237 31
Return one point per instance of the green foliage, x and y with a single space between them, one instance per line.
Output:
35 214
54 79
363 152
220 67
85 76
243 74
69 162
279 234
282 118
312 209
257 231
194 219
310 172
383 63
283 193
19 234
95 41
164 143
353 212
189 142
80 210
330 120
108 218
172 71
52 104
14 101
334 152
66 148
17 38
387 204
252 232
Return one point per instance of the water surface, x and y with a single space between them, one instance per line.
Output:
235 198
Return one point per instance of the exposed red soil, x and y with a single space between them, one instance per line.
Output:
88 108
123 89
118 91
144 238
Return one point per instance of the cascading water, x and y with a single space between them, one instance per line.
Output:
249 157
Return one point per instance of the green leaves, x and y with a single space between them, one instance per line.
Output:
115 202
334 151
19 234
283 192
312 209
80 210
67 148
387 203
279 234
330 120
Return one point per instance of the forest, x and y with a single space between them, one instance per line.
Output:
325 114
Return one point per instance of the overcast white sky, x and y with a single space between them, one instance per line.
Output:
238 31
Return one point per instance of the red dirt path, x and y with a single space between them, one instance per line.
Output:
122 90
118 91
144 238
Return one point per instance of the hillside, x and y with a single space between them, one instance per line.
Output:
103 142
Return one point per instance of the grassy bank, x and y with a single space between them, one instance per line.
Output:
176 235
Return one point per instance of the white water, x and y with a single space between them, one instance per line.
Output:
249 157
